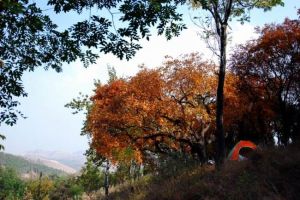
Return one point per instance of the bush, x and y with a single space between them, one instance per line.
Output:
11 186
65 189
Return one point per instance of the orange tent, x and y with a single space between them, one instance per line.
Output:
235 152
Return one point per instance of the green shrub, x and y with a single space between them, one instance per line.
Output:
11 186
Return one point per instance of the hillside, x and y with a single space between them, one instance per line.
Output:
52 164
24 166
75 160
268 174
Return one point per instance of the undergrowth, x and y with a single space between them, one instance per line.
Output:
268 174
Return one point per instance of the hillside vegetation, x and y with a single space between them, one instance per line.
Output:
22 166
268 174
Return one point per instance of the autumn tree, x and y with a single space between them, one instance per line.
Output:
141 16
269 69
168 110
222 12
165 110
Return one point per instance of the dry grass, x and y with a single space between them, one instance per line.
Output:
269 174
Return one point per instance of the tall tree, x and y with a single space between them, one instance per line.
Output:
162 111
140 16
222 12
269 69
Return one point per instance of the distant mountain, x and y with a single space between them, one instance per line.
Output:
53 164
74 160
26 167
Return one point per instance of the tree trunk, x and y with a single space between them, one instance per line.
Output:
106 181
39 196
220 98
285 129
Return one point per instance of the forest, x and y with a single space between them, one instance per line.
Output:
169 132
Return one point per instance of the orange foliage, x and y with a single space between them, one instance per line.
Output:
169 109
161 110
269 81
172 108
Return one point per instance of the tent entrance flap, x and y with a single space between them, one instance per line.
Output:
239 147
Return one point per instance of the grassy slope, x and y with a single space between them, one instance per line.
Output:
22 165
271 174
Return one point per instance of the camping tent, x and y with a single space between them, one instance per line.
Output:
235 152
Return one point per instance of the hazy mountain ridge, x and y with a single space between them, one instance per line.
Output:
53 164
74 160
25 166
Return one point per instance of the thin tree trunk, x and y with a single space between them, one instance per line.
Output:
106 181
39 196
285 130
220 98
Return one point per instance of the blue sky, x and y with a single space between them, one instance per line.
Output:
51 126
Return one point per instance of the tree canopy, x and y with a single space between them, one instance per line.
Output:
170 109
269 69
30 39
